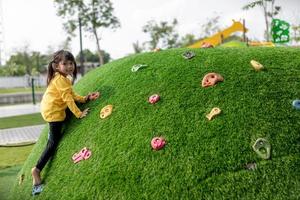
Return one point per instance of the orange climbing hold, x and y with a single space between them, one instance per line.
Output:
106 111
211 79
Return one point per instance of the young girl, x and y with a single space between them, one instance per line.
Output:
58 97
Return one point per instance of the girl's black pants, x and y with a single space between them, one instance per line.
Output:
54 136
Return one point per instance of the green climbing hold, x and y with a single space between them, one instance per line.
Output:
188 55
263 148
136 67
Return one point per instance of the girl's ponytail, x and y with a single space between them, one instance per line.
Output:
51 72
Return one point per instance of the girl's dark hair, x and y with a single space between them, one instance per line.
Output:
59 56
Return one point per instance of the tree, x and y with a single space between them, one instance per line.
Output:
162 35
25 62
94 57
187 40
94 14
137 47
296 33
210 27
269 9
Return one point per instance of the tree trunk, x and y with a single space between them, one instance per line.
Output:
98 47
266 19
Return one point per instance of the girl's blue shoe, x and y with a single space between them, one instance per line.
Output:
37 189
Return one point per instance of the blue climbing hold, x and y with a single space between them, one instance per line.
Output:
296 104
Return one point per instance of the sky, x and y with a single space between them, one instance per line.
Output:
35 25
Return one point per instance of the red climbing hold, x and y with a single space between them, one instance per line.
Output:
158 143
154 98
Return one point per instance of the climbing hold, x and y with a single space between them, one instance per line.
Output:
296 104
83 154
106 111
37 189
94 95
188 54
21 179
207 45
256 65
154 98
136 67
263 148
158 143
251 166
215 111
211 79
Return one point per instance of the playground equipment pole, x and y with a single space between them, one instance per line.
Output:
32 87
244 30
222 38
81 53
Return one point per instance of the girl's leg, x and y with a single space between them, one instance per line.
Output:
54 137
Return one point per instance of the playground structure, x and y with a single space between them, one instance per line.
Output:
218 38
261 44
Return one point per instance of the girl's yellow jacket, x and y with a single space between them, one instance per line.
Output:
58 96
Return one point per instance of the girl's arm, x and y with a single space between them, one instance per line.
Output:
84 99
81 99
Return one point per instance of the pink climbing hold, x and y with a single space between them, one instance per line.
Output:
158 143
154 98
83 154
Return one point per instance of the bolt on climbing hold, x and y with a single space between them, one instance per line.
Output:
156 50
296 104
153 98
206 45
21 179
214 112
136 67
211 79
251 166
188 55
158 143
83 154
256 65
106 111
263 148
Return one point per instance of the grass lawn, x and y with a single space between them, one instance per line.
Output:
11 156
21 120
16 90
202 159
7 178
11 161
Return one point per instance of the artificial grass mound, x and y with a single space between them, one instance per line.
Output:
202 159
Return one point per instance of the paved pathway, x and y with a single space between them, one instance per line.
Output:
19 109
20 135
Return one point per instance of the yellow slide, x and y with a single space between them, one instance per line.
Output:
216 39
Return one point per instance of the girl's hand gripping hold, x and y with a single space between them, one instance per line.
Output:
84 113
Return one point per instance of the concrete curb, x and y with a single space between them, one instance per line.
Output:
22 135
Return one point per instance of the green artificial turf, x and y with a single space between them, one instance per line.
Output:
202 159
234 44
7 178
21 120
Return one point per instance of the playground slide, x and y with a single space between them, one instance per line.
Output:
217 38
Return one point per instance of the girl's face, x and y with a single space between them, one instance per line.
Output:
66 67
